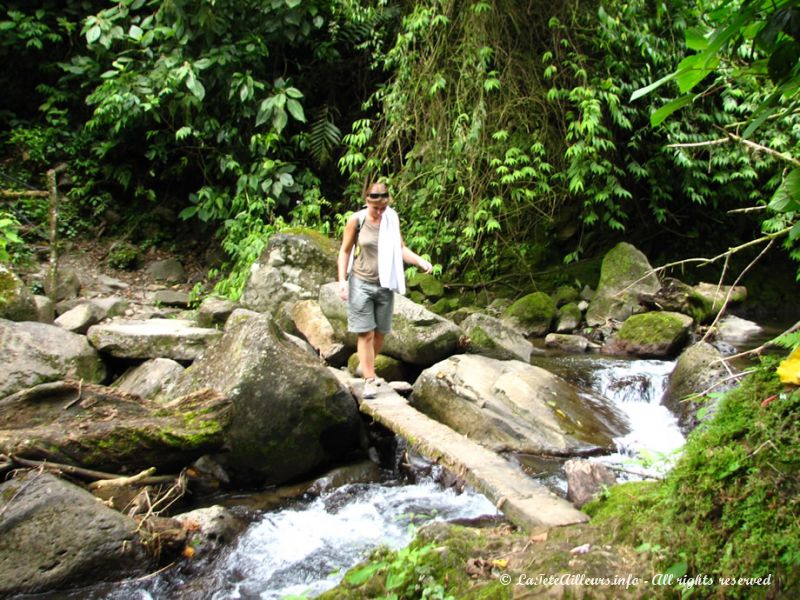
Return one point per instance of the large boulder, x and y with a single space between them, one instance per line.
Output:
291 268
491 337
16 301
625 275
290 414
55 535
532 314
102 428
169 270
35 353
651 335
178 339
68 285
514 406
419 336
699 369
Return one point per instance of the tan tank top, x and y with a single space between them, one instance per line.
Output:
365 265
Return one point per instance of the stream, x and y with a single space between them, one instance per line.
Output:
306 546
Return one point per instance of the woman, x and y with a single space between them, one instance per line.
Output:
375 274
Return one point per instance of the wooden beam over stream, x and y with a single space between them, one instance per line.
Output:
526 503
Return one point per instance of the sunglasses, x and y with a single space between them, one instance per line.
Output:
375 196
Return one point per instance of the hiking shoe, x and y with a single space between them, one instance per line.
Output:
369 389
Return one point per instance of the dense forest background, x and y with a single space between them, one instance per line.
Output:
507 129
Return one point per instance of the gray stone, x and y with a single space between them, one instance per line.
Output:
55 535
291 268
568 343
491 337
80 318
569 318
45 310
170 270
514 406
16 301
150 379
735 330
586 480
154 338
35 353
290 414
111 283
68 285
171 298
214 311
624 275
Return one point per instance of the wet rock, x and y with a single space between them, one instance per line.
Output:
55 535
652 335
736 331
211 529
568 343
586 479
698 369
569 318
514 406
35 353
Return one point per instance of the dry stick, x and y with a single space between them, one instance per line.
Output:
87 473
722 381
741 140
631 472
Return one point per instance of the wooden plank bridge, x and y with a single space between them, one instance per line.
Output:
526 503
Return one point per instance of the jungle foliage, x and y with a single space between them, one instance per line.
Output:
505 128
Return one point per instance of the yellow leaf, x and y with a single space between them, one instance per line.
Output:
500 563
789 369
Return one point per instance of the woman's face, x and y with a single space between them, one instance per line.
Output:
377 200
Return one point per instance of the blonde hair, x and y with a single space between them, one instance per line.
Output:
369 182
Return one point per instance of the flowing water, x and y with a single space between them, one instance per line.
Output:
305 548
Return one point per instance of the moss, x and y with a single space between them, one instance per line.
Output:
480 339
731 505
532 307
321 240
652 327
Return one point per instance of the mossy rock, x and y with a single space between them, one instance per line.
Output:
569 318
431 287
565 294
653 334
444 305
386 367
16 301
533 313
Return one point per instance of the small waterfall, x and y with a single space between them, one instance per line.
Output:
635 387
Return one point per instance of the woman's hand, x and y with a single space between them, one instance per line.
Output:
424 265
343 290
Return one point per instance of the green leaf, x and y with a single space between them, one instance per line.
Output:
135 32
279 120
195 87
787 196
696 38
361 575
658 116
296 110
649 88
678 569
93 34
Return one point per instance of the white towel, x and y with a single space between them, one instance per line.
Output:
390 253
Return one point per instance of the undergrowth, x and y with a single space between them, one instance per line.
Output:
730 508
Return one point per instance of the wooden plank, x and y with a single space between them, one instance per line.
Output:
526 503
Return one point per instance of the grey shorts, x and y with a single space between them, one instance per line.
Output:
369 306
